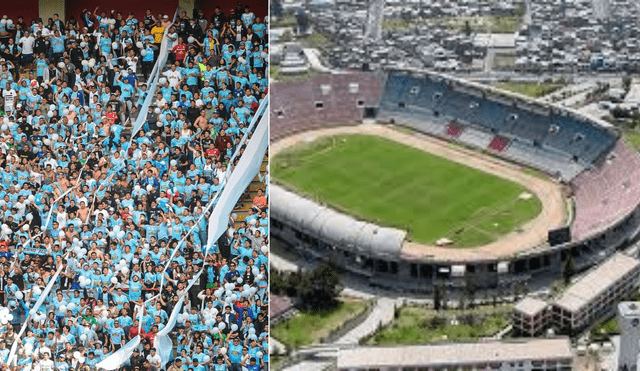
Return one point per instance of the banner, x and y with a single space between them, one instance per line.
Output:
33 310
163 54
256 118
162 342
117 359
34 251
241 177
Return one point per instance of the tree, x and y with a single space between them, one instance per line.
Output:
569 269
467 28
626 83
319 288
437 297
470 293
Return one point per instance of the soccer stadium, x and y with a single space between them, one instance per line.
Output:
412 180
134 192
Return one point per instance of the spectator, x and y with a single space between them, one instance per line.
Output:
121 214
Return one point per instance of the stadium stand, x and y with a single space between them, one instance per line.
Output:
454 129
556 164
108 188
324 101
600 173
499 143
475 138
606 194
583 142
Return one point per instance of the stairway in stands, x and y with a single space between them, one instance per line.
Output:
246 200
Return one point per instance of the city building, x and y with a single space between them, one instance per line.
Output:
629 322
595 295
523 355
530 317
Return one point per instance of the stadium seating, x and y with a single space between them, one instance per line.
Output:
549 161
489 114
607 193
328 100
499 143
475 138
454 129
579 140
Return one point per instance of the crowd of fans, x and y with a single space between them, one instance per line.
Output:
80 194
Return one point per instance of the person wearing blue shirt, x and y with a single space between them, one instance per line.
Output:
256 58
147 58
116 332
193 72
259 27
247 17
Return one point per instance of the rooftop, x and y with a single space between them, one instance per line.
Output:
530 306
449 354
596 282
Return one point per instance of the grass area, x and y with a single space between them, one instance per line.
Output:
480 24
420 325
316 40
531 89
276 362
287 20
605 329
396 23
504 61
308 327
276 75
391 184
633 138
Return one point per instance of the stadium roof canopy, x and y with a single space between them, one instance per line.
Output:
330 225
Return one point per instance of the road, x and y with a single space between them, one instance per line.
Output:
382 313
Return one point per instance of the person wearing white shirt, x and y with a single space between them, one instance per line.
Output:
160 101
26 42
154 358
173 76
45 364
9 96
132 61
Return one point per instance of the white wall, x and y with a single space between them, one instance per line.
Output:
49 7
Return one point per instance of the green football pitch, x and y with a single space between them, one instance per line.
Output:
391 184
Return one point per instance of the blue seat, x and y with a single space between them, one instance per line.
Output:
574 137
